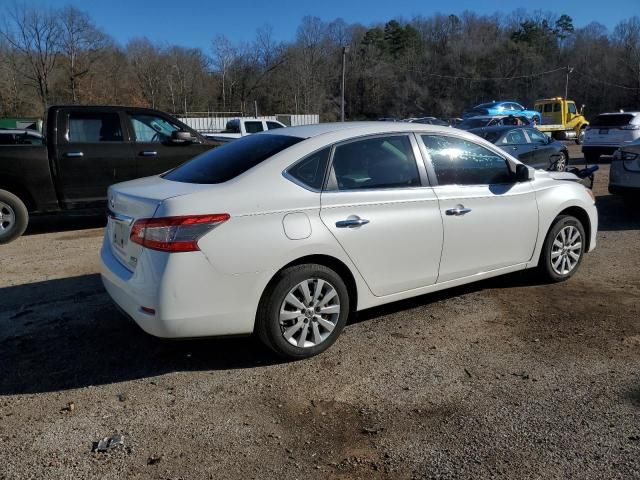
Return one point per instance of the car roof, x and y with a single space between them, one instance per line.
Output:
498 128
620 113
491 117
355 129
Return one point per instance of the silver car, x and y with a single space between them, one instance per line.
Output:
624 176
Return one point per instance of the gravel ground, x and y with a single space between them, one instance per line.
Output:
504 378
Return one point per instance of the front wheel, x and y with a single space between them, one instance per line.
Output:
536 121
563 249
303 311
580 137
14 217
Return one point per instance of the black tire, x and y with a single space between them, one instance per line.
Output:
536 120
268 325
545 266
14 217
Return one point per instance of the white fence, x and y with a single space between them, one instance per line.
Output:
209 122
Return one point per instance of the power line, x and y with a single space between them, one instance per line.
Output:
485 79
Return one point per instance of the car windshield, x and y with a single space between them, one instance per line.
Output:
228 161
612 120
489 135
473 123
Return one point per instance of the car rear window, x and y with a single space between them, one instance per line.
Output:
228 161
612 120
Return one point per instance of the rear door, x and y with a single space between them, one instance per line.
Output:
379 208
91 153
152 146
490 222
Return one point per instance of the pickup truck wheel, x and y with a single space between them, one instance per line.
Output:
580 136
14 217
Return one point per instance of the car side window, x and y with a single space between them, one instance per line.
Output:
547 107
273 125
253 127
461 162
514 137
94 127
378 162
151 128
537 137
310 170
572 108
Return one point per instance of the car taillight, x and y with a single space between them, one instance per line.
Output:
175 234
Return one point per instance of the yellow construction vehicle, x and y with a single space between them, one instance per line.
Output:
561 119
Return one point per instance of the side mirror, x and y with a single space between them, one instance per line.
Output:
179 136
582 109
522 173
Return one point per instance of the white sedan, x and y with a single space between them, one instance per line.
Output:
286 233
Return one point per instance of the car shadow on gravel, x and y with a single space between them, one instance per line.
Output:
66 333
614 214
64 222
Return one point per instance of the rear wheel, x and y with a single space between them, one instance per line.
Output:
14 217
563 249
303 311
560 164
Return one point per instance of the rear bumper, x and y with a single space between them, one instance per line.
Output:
190 298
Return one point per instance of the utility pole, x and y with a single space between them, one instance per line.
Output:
566 85
345 50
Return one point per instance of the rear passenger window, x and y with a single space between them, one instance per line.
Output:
379 162
273 125
253 127
461 162
310 170
94 127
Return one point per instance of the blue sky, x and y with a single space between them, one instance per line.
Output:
195 23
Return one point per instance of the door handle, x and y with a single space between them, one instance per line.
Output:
74 154
458 210
149 153
514 148
351 222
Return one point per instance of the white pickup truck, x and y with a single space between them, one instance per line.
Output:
241 127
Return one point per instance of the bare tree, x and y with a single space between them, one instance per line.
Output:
149 66
35 34
224 54
82 45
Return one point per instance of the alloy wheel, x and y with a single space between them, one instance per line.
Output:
561 162
7 217
566 250
309 313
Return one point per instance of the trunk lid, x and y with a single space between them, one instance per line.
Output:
131 201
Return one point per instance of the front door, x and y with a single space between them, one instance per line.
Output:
542 147
153 148
490 222
378 207
91 154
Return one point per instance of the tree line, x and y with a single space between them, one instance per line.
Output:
436 65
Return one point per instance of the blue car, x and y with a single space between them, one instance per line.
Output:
502 108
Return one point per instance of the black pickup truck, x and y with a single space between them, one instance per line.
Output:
85 149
